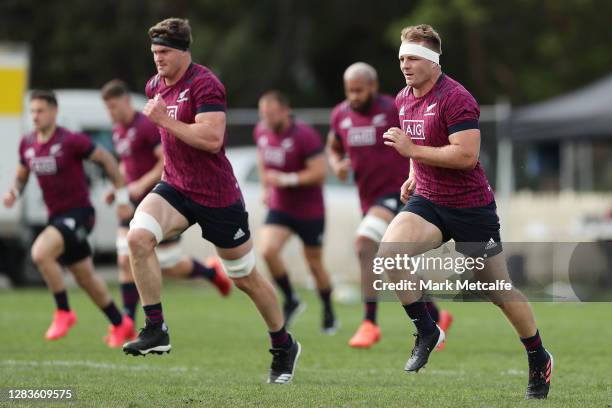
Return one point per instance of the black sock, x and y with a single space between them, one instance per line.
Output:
113 314
201 271
285 286
325 295
154 313
61 300
370 311
129 294
536 354
433 310
281 339
420 317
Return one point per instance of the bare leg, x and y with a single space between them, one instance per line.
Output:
95 287
47 247
314 259
145 267
273 239
513 303
412 235
260 291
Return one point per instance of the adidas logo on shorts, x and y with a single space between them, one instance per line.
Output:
239 234
491 244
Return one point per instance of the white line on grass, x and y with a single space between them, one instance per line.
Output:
94 364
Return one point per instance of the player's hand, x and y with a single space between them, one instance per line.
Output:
9 199
281 179
109 196
136 190
156 110
396 138
265 198
270 178
125 211
407 189
342 168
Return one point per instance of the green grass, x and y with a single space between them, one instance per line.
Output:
220 358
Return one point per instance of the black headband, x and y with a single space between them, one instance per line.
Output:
171 42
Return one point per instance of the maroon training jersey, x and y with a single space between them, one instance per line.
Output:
135 144
58 165
378 170
206 178
429 120
288 152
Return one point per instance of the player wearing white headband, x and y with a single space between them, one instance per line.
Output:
448 196
355 143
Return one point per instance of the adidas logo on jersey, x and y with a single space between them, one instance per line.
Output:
491 244
401 112
239 234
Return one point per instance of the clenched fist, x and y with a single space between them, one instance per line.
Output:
156 110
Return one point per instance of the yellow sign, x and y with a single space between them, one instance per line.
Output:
12 86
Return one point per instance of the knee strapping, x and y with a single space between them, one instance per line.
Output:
372 227
241 267
147 222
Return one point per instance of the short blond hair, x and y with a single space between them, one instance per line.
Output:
423 33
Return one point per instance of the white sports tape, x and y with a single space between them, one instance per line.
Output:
239 268
372 227
168 255
122 196
419 51
148 222
122 245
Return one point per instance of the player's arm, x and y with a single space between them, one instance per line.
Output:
139 187
315 171
261 170
21 179
461 154
336 154
265 186
103 157
205 134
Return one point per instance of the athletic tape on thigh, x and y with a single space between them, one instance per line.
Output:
372 227
168 255
239 268
122 245
148 222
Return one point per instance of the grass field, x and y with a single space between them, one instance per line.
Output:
220 358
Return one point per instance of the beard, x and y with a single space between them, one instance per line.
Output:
365 106
278 127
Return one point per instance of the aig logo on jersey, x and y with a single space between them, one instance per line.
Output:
362 136
44 166
414 128
274 156
172 111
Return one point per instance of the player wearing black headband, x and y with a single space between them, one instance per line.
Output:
187 102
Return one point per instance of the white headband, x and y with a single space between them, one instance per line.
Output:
419 51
